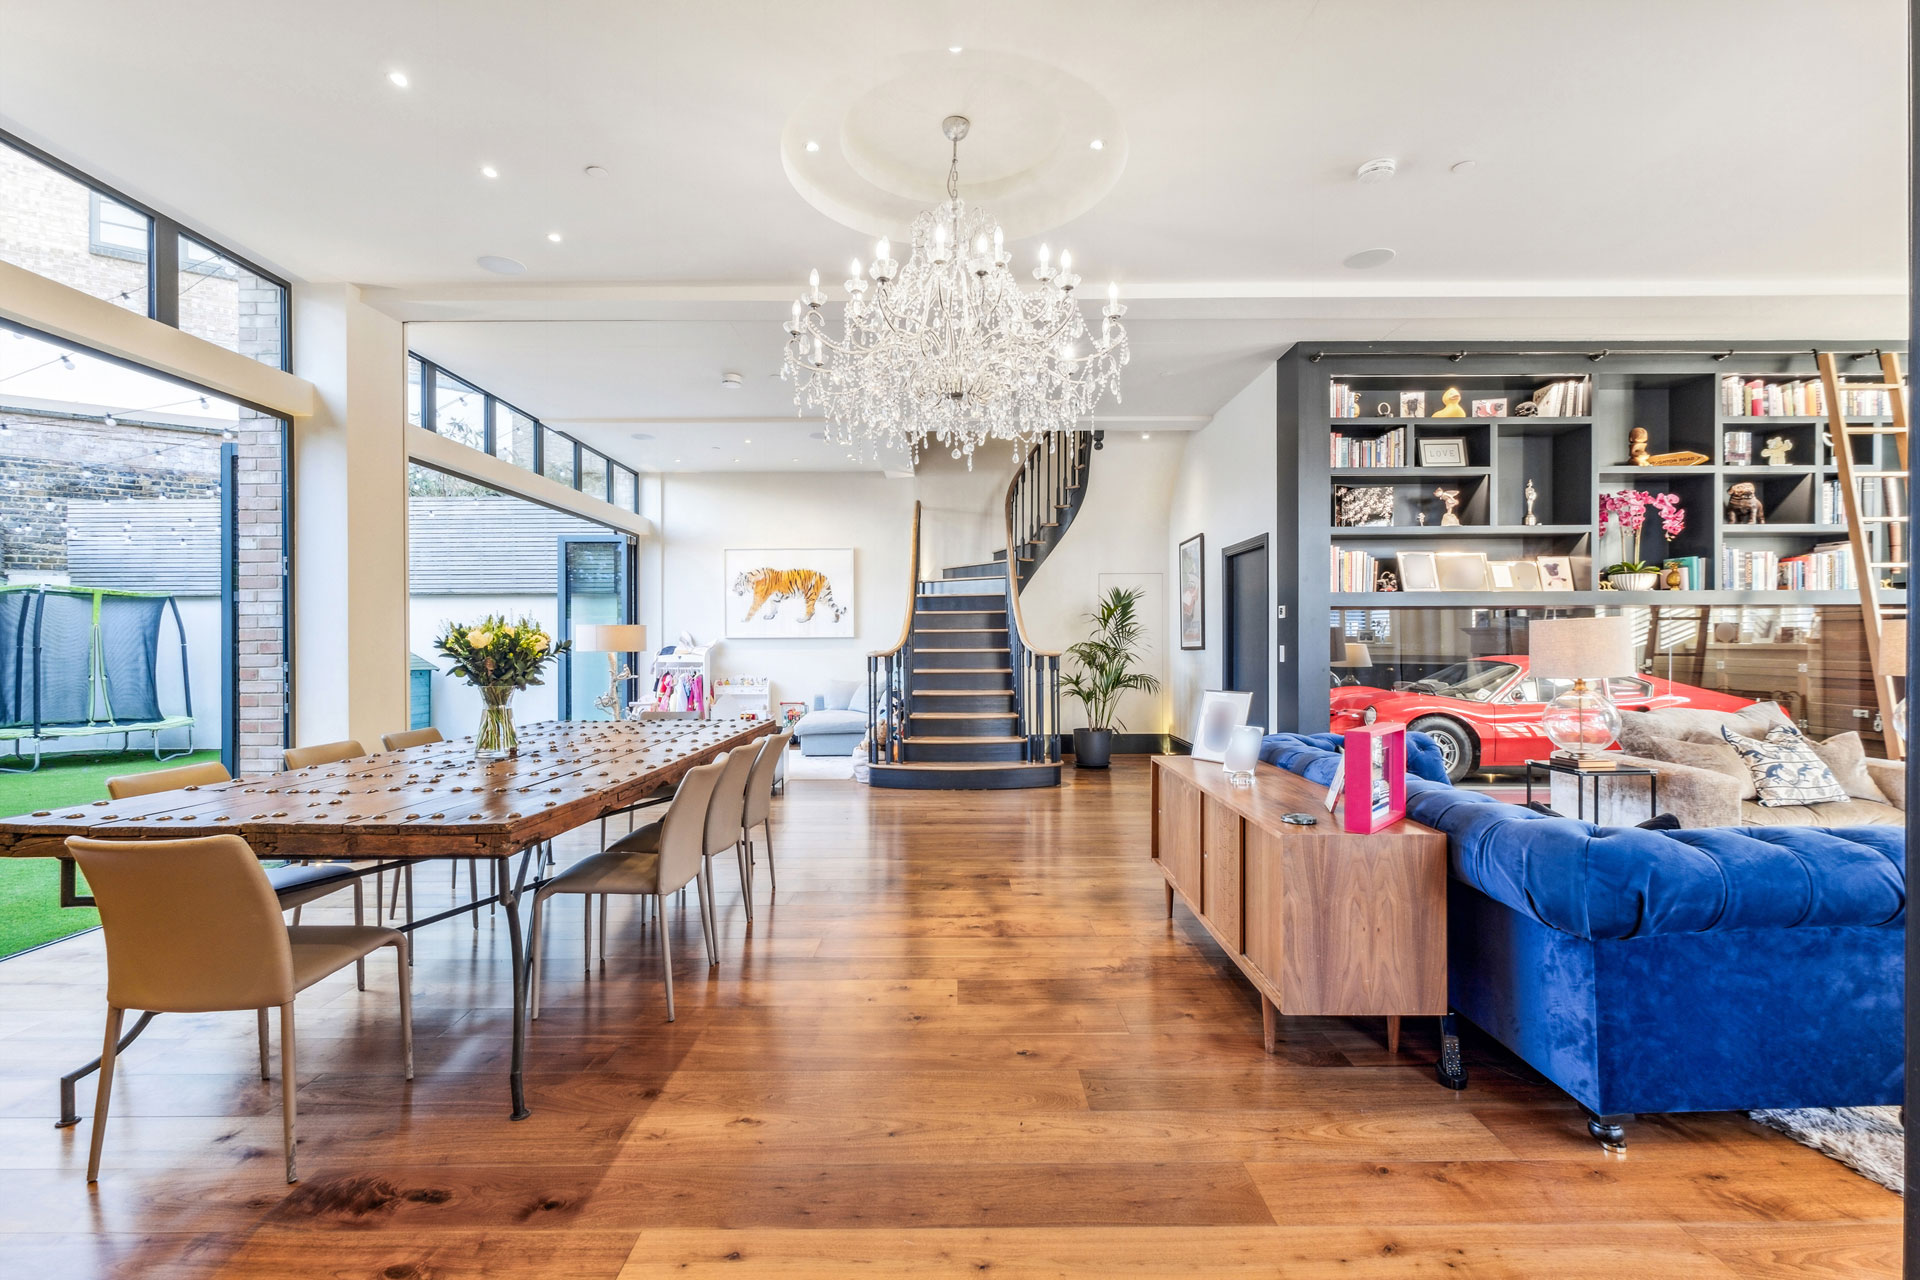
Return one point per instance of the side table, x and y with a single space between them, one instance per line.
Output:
1551 767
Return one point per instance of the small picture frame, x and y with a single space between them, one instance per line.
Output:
1221 712
1413 404
1556 572
1490 408
1500 575
1526 575
1461 570
1444 451
1373 771
1418 571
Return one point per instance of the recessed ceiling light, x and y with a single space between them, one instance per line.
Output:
1098 145
1461 166
488 171
816 435
954 48
812 145
398 79
596 171
736 459
749 442
501 266
731 381
554 236
1380 170
1367 259
1144 435
640 435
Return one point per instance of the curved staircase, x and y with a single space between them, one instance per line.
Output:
964 700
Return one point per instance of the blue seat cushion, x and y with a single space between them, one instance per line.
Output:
311 875
1627 882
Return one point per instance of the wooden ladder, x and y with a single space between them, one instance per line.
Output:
1866 569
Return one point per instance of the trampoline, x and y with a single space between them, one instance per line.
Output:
80 662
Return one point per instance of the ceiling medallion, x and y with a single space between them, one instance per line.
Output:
949 347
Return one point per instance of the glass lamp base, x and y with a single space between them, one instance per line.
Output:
1581 722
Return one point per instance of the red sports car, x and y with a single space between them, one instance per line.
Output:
1486 711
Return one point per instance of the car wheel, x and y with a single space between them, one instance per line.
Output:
1458 750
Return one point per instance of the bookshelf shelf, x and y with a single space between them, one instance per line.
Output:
1581 599
1408 473
1343 532
1837 532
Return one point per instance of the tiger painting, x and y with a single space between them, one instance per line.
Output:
771 586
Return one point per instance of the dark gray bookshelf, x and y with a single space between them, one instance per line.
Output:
1674 395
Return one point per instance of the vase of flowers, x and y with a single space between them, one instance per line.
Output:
499 657
1627 511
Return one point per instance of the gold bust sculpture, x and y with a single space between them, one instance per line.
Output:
1450 404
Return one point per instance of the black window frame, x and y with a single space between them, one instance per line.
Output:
163 246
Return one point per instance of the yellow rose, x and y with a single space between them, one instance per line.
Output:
539 642
479 639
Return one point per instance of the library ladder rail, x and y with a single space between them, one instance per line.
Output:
1867 570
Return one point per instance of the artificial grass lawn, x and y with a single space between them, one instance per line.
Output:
30 910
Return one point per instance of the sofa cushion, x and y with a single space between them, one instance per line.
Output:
840 693
1785 768
1716 756
1637 727
830 722
1846 755
1423 754
1840 813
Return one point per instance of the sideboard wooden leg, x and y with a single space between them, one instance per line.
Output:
1269 1023
1169 899
1393 1033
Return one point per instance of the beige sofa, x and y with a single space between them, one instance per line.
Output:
1704 785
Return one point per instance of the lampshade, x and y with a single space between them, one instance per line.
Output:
609 637
1357 655
1893 647
1580 648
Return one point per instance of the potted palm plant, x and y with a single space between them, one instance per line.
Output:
1105 661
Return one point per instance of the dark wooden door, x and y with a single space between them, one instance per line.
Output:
1244 579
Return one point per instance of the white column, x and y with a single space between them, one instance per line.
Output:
350 521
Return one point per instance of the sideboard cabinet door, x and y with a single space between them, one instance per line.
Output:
1220 856
1179 819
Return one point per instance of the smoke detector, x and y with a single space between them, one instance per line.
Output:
732 381
1381 170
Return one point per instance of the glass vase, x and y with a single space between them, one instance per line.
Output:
496 739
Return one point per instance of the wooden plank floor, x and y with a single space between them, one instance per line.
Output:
965 1039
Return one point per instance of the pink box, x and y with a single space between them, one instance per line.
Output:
1374 776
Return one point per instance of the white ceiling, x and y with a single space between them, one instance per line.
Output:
1640 169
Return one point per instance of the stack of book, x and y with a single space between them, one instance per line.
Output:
1744 570
1827 508
1344 402
1570 398
1386 450
1828 567
1352 570
1693 571
1800 398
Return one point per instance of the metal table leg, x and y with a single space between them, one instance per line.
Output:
511 902
70 1117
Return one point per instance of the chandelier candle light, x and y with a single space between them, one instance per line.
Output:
949 347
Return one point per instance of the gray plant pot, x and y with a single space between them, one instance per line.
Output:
1092 748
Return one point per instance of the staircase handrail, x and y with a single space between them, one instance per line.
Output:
888 707
913 587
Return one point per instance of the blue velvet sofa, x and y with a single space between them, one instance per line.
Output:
1649 971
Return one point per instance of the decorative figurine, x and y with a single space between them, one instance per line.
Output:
1421 517
1526 409
1684 458
1675 577
1532 493
1450 404
1355 506
1383 410
1387 581
1637 447
1452 498
1778 447
1744 505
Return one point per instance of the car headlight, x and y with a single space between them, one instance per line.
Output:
1371 714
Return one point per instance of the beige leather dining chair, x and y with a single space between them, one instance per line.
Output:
651 862
322 753
723 825
295 884
192 926
426 737
759 801
411 738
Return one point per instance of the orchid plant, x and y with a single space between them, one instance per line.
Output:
1627 510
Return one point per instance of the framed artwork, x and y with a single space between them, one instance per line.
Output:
1362 505
1193 593
1418 572
1495 408
1556 572
1500 575
1221 712
1526 575
789 595
1413 404
1444 451
1461 570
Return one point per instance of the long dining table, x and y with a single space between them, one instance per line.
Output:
427 803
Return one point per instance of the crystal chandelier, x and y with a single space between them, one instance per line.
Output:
949 347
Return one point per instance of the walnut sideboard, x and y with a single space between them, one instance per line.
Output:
1321 921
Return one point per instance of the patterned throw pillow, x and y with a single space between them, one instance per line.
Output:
1786 769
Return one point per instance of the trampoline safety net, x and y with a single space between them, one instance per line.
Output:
79 658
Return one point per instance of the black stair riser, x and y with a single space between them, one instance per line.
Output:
934 641
935 657
993 571
938 726
994 589
964 779
985 680
956 602
958 701
950 619
950 752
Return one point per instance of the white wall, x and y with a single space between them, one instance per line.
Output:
1225 489
1118 539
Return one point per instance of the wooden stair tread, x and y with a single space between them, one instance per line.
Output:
962 766
934 739
967 715
963 693
961 671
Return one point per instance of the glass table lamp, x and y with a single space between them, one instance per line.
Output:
1582 722
1243 752
612 639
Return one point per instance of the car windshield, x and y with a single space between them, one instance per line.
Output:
1475 681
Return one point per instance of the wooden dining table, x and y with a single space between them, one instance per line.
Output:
422 804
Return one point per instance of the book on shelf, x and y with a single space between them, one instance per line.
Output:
1567 398
1389 449
1343 401
1827 507
1828 567
1743 569
1693 571
1798 398
1351 570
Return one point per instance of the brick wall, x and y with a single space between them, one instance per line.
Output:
262 634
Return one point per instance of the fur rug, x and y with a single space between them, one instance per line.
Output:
1868 1140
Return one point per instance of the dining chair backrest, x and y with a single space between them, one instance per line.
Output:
411 738
729 801
192 926
324 753
681 845
759 799
204 774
